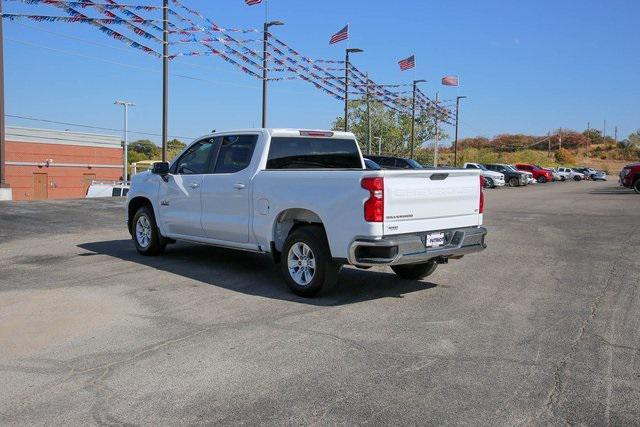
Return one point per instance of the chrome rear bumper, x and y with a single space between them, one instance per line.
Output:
411 249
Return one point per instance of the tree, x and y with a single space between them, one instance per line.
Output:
146 148
392 127
134 156
564 157
174 147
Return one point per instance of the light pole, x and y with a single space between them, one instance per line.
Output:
435 145
346 84
413 113
368 117
455 143
265 60
165 78
126 105
5 191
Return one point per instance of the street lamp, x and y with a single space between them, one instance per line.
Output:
346 85
413 113
265 59
455 143
126 105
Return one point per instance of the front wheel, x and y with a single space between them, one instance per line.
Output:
636 186
542 179
415 271
146 235
563 179
488 183
514 182
306 262
577 178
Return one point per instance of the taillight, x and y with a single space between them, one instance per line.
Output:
374 206
481 206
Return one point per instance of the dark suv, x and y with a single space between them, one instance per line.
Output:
630 177
512 177
390 162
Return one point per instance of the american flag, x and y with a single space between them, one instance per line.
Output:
407 63
341 35
450 80
252 2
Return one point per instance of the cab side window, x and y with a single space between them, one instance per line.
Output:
196 159
235 153
470 166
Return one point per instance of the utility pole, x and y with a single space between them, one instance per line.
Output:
604 130
560 140
368 117
5 188
346 85
379 138
549 144
165 77
435 145
265 60
413 115
615 133
588 125
126 105
455 142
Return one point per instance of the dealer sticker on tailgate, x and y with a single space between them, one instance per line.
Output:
434 240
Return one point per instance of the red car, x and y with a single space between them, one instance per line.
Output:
630 176
539 174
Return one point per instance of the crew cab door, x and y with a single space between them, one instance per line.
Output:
226 191
179 198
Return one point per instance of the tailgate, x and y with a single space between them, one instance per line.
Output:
417 201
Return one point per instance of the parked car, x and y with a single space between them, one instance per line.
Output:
492 179
539 174
556 175
599 176
570 173
306 198
587 172
371 165
391 162
512 177
630 176
107 189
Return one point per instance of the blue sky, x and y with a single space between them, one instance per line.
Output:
526 66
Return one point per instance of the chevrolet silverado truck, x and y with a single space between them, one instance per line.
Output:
306 198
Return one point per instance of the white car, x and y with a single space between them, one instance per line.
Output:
306 198
492 179
569 173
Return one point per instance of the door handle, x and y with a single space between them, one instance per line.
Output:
194 185
239 186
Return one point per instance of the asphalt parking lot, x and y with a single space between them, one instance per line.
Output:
541 328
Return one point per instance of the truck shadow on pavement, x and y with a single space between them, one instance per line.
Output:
255 274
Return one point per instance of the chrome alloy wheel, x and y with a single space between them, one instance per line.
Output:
302 263
143 231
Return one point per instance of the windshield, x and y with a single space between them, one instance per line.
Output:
511 168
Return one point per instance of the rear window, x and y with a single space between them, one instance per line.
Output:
313 153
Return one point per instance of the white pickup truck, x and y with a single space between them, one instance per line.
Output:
306 198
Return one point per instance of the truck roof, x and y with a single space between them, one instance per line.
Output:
291 132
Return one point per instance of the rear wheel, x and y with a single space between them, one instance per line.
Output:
514 182
146 235
542 179
415 271
306 262
577 178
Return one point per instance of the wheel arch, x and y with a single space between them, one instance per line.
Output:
286 222
133 206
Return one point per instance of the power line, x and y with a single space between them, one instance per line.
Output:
14 116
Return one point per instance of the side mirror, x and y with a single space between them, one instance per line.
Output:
160 168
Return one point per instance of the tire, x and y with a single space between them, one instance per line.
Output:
577 178
488 183
415 271
306 262
636 186
514 182
145 234
542 179
563 179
